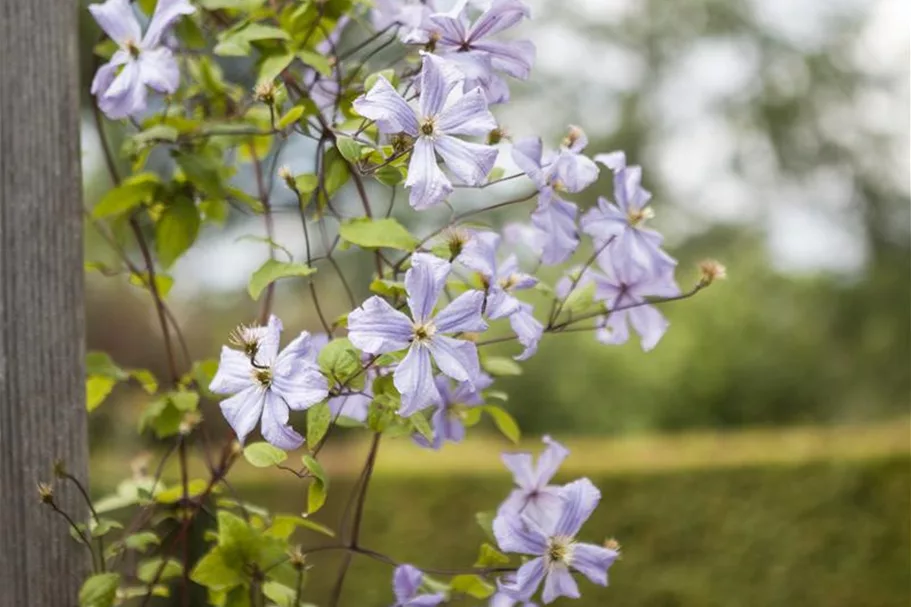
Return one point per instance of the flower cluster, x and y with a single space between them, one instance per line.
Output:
408 355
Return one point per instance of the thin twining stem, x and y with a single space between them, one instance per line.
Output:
378 556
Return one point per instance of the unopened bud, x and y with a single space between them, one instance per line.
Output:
265 92
297 558
287 176
401 142
45 493
60 468
711 271
190 420
574 136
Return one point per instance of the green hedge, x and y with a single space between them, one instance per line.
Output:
828 535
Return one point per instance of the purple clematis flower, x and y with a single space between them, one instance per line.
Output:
552 172
378 328
266 383
453 36
624 287
447 419
406 583
503 599
554 547
120 84
624 222
442 114
534 496
501 280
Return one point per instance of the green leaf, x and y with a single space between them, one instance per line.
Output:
316 496
141 541
421 426
99 363
271 271
472 585
388 288
103 526
203 171
340 361
348 148
235 42
148 570
97 388
214 572
283 526
99 590
336 173
163 282
504 422
389 175
318 419
388 74
273 65
306 183
290 117
315 468
485 522
581 299
501 366
159 132
377 233
496 173
131 192
264 455
281 595
172 495
317 61
488 556
146 380
176 230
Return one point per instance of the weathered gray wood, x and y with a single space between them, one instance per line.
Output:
42 412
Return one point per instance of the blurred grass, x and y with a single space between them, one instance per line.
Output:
803 516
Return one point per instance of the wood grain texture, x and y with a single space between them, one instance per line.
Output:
42 411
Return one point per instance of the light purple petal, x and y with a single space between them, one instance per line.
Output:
353 406
456 358
462 315
391 112
414 380
429 186
438 78
513 535
527 329
514 57
467 116
268 339
126 95
615 330
300 347
501 15
275 427
300 383
166 13
451 25
107 72
543 506
470 162
522 467
593 562
424 282
604 221
528 154
426 600
559 582
243 410
528 579
549 461
649 323
574 172
117 19
406 580
500 304
480 253
579 501
377 328
612 160
235 373
628 190
556 219
159 70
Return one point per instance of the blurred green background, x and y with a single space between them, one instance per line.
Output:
774 135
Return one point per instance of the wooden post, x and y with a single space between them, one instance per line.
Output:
42 394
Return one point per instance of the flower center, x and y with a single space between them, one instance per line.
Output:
560 550
263 377
424 332
638 217
132 48
427 127
508 282
244 338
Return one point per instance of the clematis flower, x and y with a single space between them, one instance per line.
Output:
447 419
552 172
624 222
406 583
554 547
443 112
141 61
502 599
266 383
534 496
624 287
501 280
453 36
378 328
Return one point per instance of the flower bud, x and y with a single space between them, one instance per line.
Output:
575 134
60 468
497 135
45 493
711 271
287 176
265 92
